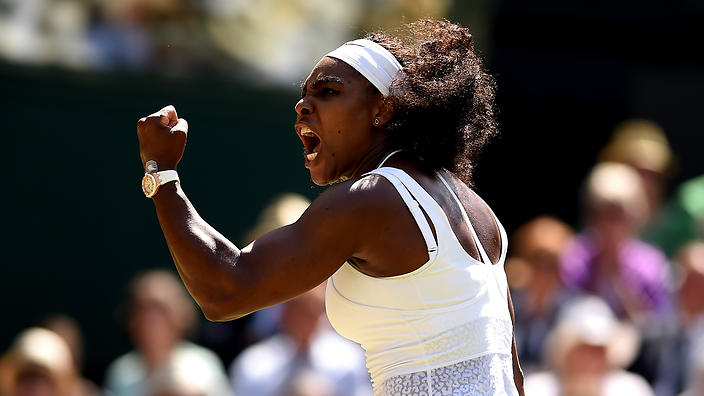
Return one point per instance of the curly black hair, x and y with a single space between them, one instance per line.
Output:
445 112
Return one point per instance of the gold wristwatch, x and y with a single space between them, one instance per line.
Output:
154 179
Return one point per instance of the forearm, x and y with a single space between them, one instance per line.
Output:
517 372
205 259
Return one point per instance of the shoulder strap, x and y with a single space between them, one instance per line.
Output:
413 206
480 247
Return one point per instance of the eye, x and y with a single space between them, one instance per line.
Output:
328 91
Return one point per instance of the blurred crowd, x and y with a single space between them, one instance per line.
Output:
614 308
617 306
611 306
285 350
275 41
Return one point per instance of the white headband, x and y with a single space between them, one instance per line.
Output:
371 60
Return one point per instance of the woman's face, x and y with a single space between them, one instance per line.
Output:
334 120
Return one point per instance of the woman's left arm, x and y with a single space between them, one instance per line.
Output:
517 372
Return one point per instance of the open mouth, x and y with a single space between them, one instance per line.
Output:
311 143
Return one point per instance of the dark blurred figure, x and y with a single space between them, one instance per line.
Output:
536 288
158 315
587 351
607 259
642 144
67 328
39 363
306 358
688 323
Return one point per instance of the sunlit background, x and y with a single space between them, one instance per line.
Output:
75 75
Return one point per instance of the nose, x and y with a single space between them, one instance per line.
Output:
303 107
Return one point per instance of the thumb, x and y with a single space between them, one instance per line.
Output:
180 127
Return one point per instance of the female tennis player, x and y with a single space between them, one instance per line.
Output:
413 257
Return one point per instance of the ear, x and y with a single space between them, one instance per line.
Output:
386 110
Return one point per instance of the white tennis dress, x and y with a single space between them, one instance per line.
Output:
443 329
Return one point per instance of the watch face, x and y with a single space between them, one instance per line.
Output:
148 185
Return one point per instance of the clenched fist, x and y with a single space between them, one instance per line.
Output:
162 138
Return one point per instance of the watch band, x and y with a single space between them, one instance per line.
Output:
152 181
166 176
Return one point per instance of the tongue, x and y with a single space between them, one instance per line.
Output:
314 153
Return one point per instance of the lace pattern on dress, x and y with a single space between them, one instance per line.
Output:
488 375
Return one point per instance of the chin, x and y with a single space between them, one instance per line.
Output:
322 181
318 180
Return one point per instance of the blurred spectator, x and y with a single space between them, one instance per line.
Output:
46 31
608 260
387 14
38 363
266 41
642 144
310 383
281 39
691 291
284 209
587 350
695 387
307 358
681 220
141 34
67 328
158 315
688 323
536 288
228 339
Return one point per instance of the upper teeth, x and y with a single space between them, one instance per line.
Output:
307 132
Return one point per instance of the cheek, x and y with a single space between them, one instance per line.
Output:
348 115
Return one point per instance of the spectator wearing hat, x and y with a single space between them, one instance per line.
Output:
66 327
609 260
39 363
643 145
587 352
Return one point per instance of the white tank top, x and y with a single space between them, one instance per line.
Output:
451 309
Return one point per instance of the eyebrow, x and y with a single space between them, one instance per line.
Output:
322 80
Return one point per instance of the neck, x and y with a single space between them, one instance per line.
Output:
371 159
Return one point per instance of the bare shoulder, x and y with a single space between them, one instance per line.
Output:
375 222
481 216
366 194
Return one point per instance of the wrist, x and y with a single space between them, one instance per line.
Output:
153 180
166 190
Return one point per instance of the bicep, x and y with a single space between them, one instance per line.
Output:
289 261
295 258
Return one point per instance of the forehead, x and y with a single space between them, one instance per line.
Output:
331 67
